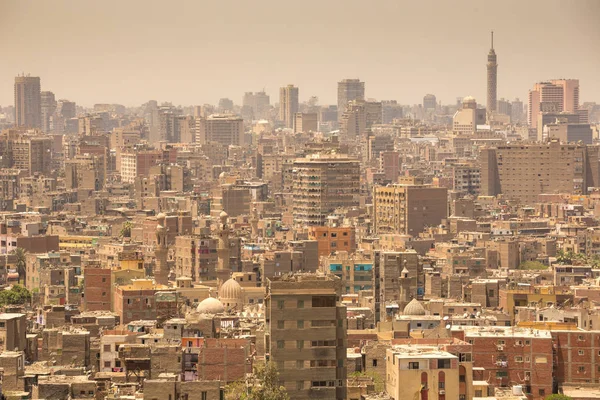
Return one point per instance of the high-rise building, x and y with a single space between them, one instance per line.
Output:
306 332
503 106
225 129
468 117
348 90
522 172
429 102
323 183
28 102
48 107
288 104
516 111
408 209
556 95
225 105
306 122
492 79
258 102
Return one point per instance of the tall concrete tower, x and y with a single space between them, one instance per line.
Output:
161 268
492 79
28 102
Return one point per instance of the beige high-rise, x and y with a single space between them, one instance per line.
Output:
322 184
28 102
348 90
305 335
288 104
557 95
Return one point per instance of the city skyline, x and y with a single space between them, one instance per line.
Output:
115 67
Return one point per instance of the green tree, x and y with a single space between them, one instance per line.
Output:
558 397
21 263
528 265
126 229
16 295
263 385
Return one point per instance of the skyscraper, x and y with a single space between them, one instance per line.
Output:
429 102
48 107
288 104
28 102
557 95
492 79
348 90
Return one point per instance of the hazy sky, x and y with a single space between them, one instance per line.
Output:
195 52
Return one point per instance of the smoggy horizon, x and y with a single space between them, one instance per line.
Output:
192 54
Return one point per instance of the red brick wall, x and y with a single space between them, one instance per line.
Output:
97 293
486 354
577 356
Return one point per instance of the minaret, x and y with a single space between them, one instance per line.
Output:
492 79
223 269
161 268
254 223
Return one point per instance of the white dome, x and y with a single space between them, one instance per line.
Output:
210 305
230 290
414 308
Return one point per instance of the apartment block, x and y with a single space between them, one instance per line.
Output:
523 172
408 209
305 335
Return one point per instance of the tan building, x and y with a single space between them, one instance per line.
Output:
348 90
323 183
28 102
305 335
288 104
523 172
421 372
306 122
552 96
468 117
225 129
32 153
408 209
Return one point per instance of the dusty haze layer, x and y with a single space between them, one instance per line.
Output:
196 52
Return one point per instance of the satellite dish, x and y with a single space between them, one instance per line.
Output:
448 326
446 318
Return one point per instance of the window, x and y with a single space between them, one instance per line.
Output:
580 352
374 362
299 344
300 303
442 385
580 337
581 369
103 280
204 396
542 392
280 324
300 324
501 374
280 304
413 365
443 363
527 342
300 385
518 359
501 342
280 344
106 364
299 364
107 347
323 301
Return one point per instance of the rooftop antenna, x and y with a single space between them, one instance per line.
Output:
492 40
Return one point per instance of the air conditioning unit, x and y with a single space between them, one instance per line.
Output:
442 392
527 377
500 347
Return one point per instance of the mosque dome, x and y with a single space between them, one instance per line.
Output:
414 308
231 289
210 305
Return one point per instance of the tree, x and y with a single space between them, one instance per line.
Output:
126 229
17 295
558 397
263 385
21 263
528 265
